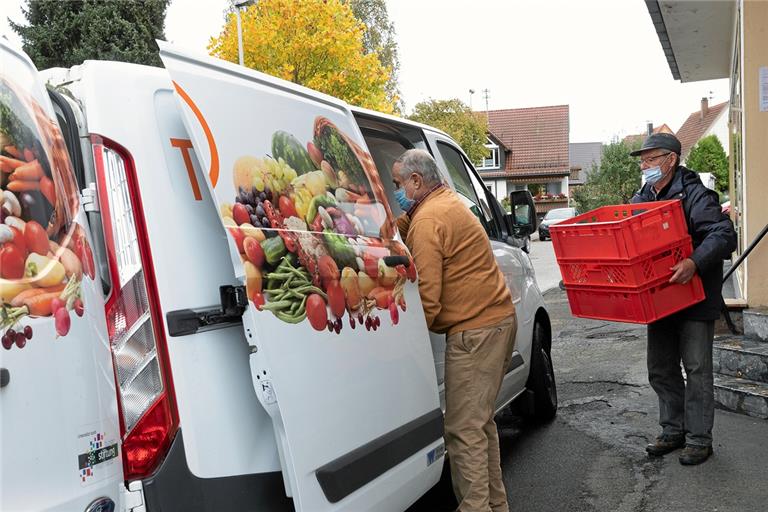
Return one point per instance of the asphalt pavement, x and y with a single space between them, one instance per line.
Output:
544 263
591 457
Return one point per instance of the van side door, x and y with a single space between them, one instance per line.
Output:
337 360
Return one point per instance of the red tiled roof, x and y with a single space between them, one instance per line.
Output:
640 137
529 173
697 125
536 138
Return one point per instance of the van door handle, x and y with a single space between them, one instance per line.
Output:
393 261
5 377
234 302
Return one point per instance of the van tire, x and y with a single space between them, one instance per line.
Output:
541 380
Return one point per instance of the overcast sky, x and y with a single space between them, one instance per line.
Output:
601 57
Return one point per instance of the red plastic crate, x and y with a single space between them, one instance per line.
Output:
620 232
634 305
636 272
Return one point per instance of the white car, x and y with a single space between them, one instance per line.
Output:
221 315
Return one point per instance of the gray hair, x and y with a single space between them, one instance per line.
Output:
422 163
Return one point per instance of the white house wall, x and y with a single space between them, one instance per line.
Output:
720 128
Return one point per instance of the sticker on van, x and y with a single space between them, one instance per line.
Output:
97 456
314 233
43 252
435 454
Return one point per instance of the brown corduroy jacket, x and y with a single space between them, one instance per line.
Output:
460 284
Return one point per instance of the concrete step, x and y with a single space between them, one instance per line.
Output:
741 395
756 323
740 357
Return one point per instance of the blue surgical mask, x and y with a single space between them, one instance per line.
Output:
652 174
403 200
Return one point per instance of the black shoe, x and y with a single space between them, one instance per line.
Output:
665 444
693 455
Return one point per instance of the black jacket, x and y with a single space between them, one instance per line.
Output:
714 238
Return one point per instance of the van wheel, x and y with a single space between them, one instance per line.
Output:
541 380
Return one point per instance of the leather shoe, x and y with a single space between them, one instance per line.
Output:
693 455
665 444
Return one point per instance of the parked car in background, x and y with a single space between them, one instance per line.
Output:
553 217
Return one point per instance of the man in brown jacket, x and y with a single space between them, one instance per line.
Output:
464 296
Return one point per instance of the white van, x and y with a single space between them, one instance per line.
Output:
205 303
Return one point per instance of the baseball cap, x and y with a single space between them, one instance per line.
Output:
659 141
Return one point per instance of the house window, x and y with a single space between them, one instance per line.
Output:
492 160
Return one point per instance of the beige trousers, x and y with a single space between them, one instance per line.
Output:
475 363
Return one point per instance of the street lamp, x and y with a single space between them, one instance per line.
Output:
471 92
237 4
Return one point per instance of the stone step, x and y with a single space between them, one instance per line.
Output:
740 357
742 396
756 323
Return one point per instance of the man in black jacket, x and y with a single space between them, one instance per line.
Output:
686 411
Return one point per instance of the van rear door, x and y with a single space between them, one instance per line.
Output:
339 349
59 428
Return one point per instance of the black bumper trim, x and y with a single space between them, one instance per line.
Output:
364 464
174 488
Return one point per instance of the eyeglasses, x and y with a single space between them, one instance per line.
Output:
400 185
652 159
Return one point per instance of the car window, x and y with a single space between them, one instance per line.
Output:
560 213
469 188
384 151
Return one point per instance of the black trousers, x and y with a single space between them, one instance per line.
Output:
684 407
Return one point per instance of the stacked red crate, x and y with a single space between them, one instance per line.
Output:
616 260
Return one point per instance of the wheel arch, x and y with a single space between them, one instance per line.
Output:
542 318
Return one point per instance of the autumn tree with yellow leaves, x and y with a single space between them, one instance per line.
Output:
315 43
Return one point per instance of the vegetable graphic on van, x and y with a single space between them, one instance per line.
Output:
43 252
314 233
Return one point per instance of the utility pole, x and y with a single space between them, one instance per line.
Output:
486 95
237 4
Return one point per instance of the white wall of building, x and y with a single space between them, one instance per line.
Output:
720 128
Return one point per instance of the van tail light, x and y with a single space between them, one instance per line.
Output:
146 400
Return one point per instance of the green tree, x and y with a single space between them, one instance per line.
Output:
379 39
614 182
65 33
315 43
457 120
708 155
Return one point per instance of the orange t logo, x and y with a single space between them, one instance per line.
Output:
185 145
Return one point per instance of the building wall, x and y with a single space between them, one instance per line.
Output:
497 186
501 189
755 132
720 128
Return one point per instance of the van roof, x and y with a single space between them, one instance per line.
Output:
58 76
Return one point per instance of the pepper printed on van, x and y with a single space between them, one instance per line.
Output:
312 227
43 253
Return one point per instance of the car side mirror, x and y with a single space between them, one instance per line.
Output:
523 217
